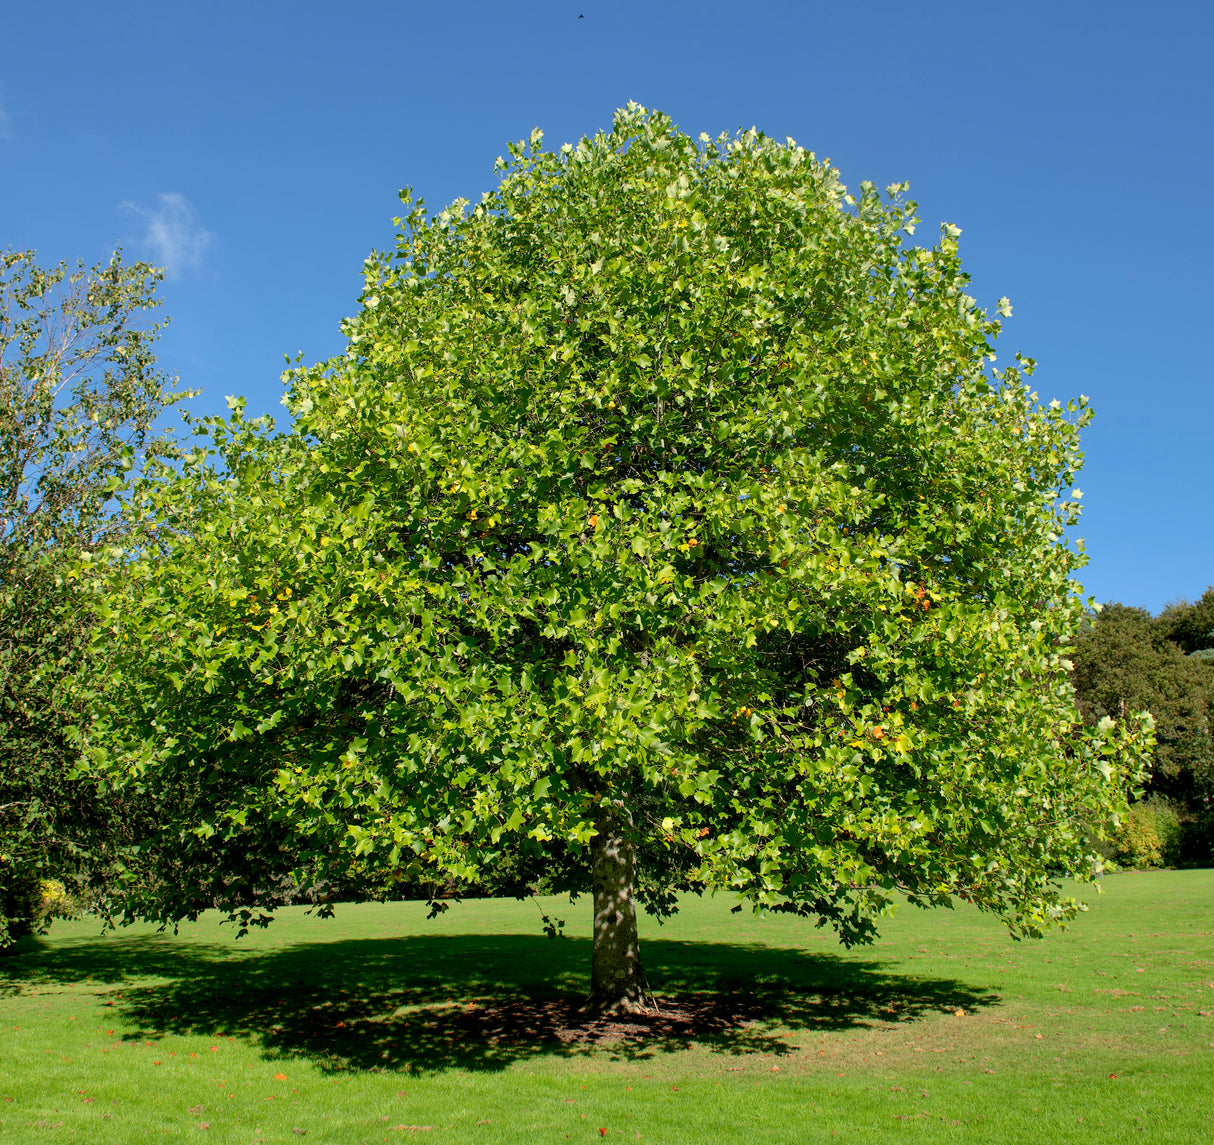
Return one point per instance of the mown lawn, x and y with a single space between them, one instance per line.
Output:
381 1026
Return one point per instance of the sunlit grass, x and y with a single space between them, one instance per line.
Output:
379 1025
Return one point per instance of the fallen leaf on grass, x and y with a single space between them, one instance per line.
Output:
204 1125
298 1132
280 1077
195 1109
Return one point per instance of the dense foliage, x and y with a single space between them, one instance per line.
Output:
79 398
667 496
1190 626
1128 661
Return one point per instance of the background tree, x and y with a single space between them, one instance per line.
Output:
662 510
1129 661
79 397
1191 626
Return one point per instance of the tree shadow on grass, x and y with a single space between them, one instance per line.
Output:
481 1002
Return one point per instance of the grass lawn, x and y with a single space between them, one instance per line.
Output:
380 1026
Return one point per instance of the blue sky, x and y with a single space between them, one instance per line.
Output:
256 149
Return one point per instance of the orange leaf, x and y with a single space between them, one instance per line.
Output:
280 1077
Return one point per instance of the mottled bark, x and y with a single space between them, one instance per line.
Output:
617 981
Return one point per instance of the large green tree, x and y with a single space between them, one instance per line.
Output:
664 510
80 395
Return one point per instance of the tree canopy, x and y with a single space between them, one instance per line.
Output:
79 397
1190 625
1127 661
666 508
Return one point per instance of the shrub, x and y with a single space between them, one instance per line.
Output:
28 904
1149 835
56 901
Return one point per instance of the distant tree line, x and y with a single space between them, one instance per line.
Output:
1126 661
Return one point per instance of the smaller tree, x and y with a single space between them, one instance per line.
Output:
80 395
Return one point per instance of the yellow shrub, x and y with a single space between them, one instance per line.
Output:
1148 835
55 901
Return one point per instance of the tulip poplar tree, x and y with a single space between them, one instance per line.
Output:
665 509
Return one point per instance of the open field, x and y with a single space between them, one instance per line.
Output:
381 1026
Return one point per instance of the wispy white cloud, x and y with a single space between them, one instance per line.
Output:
173 237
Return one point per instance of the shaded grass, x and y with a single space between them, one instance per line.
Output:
376 1024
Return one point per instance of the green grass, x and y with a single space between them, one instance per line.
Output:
381 1026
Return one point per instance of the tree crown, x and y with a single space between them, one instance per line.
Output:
668 477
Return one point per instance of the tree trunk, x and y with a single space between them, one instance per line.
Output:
617 982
